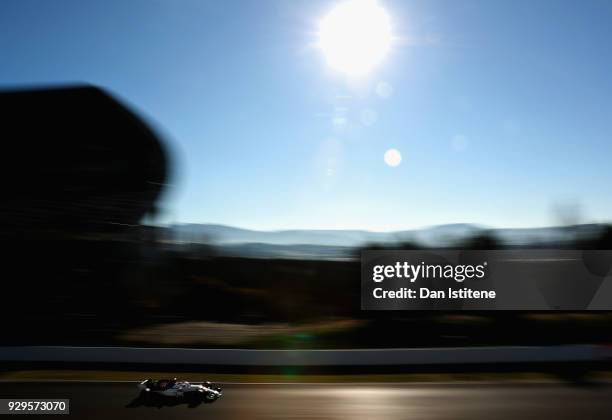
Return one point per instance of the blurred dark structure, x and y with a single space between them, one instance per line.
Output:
80 171
74 159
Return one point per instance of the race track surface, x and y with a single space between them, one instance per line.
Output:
117 401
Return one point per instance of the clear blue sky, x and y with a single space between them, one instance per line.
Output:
502 110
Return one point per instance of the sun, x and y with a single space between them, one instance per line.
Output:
355 36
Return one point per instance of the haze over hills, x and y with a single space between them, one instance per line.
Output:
228 235
341 243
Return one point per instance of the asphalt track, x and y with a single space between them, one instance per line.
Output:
523 401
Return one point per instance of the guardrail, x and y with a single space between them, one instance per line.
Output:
364 357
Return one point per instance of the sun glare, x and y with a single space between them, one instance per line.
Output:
355 36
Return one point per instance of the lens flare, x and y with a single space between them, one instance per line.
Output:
393 157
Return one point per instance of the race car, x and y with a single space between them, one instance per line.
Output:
180 389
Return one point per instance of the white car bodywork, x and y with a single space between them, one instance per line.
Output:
179 389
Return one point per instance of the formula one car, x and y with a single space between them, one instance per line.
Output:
180 389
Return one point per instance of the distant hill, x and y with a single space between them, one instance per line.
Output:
228 235
441 235
341 244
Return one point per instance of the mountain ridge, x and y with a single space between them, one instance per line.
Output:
438 235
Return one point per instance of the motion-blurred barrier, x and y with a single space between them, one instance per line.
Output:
364 357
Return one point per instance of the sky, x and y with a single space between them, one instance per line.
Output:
500 109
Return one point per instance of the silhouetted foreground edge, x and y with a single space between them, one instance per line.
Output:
79 170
